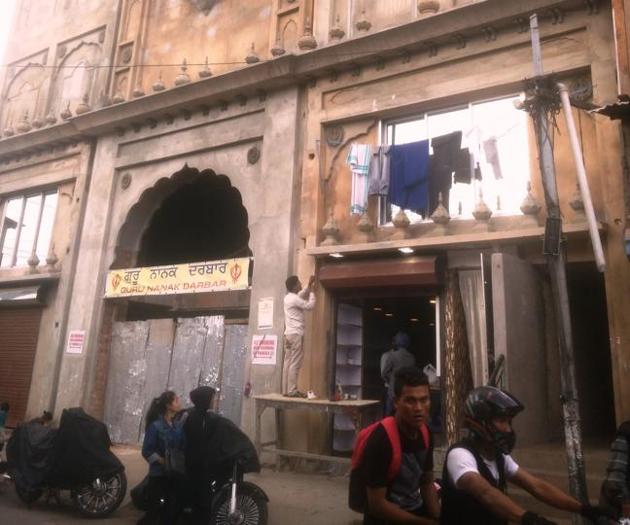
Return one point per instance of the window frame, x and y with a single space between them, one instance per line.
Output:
384 207
23 197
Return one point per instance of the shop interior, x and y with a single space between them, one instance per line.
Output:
365 328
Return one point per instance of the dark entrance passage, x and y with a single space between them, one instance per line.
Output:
203 220
587 296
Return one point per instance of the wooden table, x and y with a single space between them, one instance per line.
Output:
362 412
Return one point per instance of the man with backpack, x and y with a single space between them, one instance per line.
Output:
391 480
477 469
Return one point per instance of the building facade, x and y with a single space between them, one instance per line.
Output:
146 133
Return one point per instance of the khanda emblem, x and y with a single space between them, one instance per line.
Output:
235 272
116 280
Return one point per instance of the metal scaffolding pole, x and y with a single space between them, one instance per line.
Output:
541 98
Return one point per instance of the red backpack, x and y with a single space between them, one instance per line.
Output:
357 496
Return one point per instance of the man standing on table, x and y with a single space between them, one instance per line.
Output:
295 303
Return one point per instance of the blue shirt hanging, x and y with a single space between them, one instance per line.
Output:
409 181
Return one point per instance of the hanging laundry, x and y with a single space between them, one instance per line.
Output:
380 171
359 158
465 168
409 181
444 161
491 150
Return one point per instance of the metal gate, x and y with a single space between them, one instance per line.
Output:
148 357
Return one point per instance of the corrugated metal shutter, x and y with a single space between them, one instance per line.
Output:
19 331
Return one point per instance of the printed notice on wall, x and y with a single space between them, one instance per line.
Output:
76 339
265 313
264 349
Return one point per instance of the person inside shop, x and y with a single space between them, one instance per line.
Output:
477 469
296 302
615 493
384 376
410 497
400 357
162 432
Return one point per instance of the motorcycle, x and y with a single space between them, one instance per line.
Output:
230 455
75 457
238 502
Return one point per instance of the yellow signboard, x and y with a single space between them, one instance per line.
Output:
209 276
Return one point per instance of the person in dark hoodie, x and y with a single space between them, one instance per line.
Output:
198 431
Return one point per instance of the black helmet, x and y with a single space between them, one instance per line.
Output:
485 403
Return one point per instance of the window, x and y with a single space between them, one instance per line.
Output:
27 228
487 127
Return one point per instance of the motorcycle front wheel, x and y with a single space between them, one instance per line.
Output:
101 497
251 507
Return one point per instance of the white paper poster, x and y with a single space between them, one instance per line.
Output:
264 349
76 340
265 313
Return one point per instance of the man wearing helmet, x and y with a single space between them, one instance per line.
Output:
476 470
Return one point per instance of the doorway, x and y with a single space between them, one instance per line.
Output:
365 327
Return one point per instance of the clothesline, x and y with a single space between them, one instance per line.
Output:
413 178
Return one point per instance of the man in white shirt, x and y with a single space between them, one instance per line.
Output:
295 303
477 469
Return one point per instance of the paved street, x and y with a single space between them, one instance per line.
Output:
294 498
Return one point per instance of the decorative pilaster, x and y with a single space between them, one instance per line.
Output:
307 40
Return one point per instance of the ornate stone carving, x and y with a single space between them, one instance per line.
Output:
576 202
37 123
83 106
33 261
23 125
126 54
205 71
334 136
138 91
365 224
331 231
440 216
117 98
307 40
400 220
529 206
277 49
205 6
51 258
158 85
51 118
66 113
336 31
125 181
482 212
8 131
363 24
252 57
183 77
428 7
253 155
62 50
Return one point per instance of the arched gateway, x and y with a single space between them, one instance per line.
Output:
180 287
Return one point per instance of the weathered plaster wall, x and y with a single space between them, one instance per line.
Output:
221 143
65 170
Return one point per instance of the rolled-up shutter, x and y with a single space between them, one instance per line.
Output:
19 331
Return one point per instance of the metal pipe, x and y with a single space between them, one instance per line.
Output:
600 260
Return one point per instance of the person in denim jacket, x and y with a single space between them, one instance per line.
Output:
162 432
